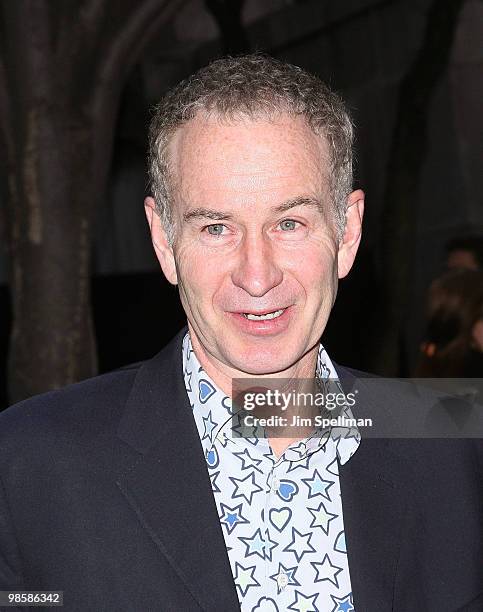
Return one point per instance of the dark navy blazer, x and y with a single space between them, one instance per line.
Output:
105 495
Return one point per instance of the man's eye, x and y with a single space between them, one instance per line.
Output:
216 229
288 224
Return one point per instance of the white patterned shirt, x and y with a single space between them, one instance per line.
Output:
281 517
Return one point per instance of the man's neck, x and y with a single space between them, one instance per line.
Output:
280 445
223 376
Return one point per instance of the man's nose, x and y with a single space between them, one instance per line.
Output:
256 271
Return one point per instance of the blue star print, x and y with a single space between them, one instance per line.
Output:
255 545
285 577
318 486
343 604
300 544
232 517
281 517
210 426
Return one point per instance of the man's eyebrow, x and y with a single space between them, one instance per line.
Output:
206 213
299 201
217 215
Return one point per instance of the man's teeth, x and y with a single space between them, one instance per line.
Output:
264 317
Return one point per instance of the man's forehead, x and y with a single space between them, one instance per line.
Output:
209 149
205 130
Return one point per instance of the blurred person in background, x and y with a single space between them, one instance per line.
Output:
453 343
465 252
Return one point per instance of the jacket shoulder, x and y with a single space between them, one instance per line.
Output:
417 420
77 410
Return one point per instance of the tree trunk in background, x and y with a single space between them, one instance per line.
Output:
62 68
406 158
52 340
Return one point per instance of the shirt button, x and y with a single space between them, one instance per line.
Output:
275 483
282 581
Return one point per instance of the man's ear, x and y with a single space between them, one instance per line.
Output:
164 252
349 243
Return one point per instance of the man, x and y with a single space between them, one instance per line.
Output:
130 492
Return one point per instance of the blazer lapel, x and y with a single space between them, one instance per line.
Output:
169 486
372 522
373 511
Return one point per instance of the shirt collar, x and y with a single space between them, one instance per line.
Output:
212 408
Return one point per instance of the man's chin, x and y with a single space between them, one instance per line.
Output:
261 361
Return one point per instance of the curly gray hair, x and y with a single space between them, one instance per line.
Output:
252 85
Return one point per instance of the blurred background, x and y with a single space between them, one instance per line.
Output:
80 289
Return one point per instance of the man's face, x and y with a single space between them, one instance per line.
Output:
254 236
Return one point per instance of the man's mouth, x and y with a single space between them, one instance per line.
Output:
263 322
265 316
